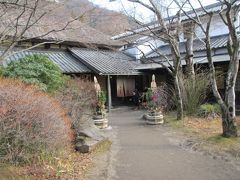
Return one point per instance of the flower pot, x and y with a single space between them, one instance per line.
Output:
97 117
154 113
154 118
101 123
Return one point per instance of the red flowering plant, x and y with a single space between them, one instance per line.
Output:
157 99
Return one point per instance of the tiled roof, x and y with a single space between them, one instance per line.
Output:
106 61
214 8
198 45
196 60
217 43
66 62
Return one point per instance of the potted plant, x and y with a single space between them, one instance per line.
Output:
99 117
154 105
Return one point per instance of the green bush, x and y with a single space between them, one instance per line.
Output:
149 94
209 110
37 70
101 100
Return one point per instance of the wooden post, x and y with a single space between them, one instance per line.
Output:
109 93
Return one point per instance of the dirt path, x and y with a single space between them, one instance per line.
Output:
145 152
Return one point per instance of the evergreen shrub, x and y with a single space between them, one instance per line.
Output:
36 70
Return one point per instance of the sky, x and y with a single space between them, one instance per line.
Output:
133 9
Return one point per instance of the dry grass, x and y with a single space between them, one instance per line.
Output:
100 156
204 126
238 121
206 133
67 166
102 147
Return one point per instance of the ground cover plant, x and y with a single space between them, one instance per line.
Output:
209 110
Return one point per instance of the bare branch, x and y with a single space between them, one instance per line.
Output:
18 19
143 4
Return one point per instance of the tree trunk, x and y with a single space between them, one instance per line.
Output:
229 124
228 105
179 99
189 52
229 115
177 75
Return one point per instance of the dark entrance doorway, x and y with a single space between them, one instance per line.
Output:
123 86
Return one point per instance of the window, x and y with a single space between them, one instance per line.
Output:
47 46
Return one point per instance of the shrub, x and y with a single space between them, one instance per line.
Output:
101 100
209 110
157 99
194 92
78 98
31 122
37 70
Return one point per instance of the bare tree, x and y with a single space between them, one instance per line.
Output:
26 20
229 10
228 107
168 32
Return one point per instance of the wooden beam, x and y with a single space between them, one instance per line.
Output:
109 93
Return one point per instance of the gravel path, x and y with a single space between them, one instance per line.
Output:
143 152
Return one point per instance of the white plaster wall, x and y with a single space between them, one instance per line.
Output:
217 27
144 48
